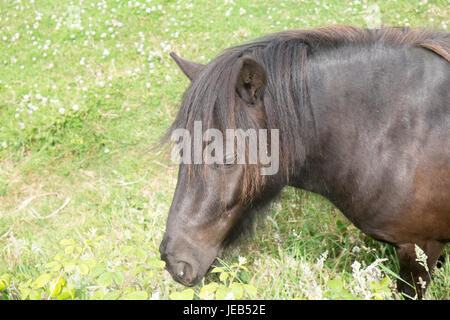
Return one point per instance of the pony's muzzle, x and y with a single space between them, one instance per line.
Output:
180 269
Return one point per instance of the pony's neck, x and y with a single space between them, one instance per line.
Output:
344 105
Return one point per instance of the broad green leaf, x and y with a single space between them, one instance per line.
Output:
35 295
138 295
55 287
156 263
53 266
217 270
66 293
69 249
224 276
138 270
208 290
141 253
90 262
337 291
59 256
2 285
335 284
97 270
42 280
105 279
187 294
113 295
83 269
221 292
237 290
68 262
98 295
118 277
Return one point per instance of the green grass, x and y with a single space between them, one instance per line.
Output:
86 91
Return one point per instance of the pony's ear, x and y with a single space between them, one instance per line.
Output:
190 68
251 80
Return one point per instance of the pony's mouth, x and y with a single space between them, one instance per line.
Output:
212 266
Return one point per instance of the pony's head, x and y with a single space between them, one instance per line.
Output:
217 189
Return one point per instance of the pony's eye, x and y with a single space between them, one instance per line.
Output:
228 161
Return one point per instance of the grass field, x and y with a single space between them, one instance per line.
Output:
87 88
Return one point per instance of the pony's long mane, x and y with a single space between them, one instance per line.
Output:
212 99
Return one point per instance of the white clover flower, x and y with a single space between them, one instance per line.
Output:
356 266
62 110
242 260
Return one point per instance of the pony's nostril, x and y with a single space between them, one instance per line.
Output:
185 272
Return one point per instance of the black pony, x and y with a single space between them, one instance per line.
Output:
363 119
